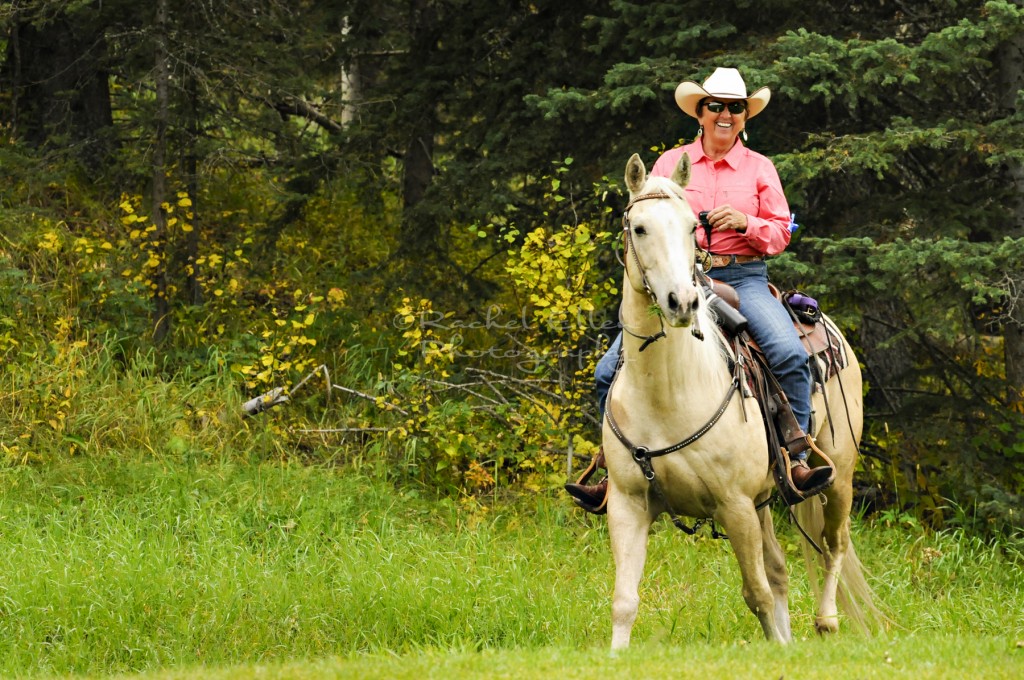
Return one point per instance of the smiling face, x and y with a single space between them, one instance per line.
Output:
723 126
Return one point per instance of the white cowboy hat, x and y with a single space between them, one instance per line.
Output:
724 83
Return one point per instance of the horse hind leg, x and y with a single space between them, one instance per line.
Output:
744 530
628 528
829 527
835 537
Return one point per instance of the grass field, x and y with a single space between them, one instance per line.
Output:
231 570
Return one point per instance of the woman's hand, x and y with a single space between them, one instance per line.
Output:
725 217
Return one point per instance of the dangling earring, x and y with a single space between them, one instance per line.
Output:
743 136
700 130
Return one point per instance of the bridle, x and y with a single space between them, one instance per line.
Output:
629 248
628 237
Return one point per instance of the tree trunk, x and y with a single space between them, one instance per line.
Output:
1011 74
192 287
420 229
158 243
351 85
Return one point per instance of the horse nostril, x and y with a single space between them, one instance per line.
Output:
673 302
693 305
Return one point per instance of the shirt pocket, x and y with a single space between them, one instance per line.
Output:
698 198
742 196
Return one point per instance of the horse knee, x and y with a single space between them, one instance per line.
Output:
624 609
759 601
779 586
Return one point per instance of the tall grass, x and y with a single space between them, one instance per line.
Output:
146 525
124 566
99 399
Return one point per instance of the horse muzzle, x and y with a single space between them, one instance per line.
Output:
679 307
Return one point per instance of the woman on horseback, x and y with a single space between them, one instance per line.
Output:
738 196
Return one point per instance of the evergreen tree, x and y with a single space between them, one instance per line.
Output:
897 138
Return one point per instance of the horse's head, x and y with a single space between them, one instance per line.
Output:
659 231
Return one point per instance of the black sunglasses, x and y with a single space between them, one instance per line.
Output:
735 108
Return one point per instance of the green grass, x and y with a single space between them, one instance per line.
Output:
915 657
219 570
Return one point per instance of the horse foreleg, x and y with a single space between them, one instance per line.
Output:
741 524
775 570
628 526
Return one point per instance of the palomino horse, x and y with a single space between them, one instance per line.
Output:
680 389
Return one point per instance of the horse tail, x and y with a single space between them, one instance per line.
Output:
855 596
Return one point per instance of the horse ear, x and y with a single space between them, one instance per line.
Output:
681 175
636 173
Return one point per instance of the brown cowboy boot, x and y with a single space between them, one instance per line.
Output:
591 497
806 479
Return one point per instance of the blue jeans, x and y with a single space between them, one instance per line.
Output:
768 323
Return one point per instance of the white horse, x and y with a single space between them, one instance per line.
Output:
679 389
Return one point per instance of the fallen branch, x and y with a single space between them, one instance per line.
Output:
332 430
370 397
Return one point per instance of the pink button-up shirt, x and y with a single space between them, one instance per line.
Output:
745 180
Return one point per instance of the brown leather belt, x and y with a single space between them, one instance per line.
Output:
726 260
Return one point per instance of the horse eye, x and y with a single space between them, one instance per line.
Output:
639 231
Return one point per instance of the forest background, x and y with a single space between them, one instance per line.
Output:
401 216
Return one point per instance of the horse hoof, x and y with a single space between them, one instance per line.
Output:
826 624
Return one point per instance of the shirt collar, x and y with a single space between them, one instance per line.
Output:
733 158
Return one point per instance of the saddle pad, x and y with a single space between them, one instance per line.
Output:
824 344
